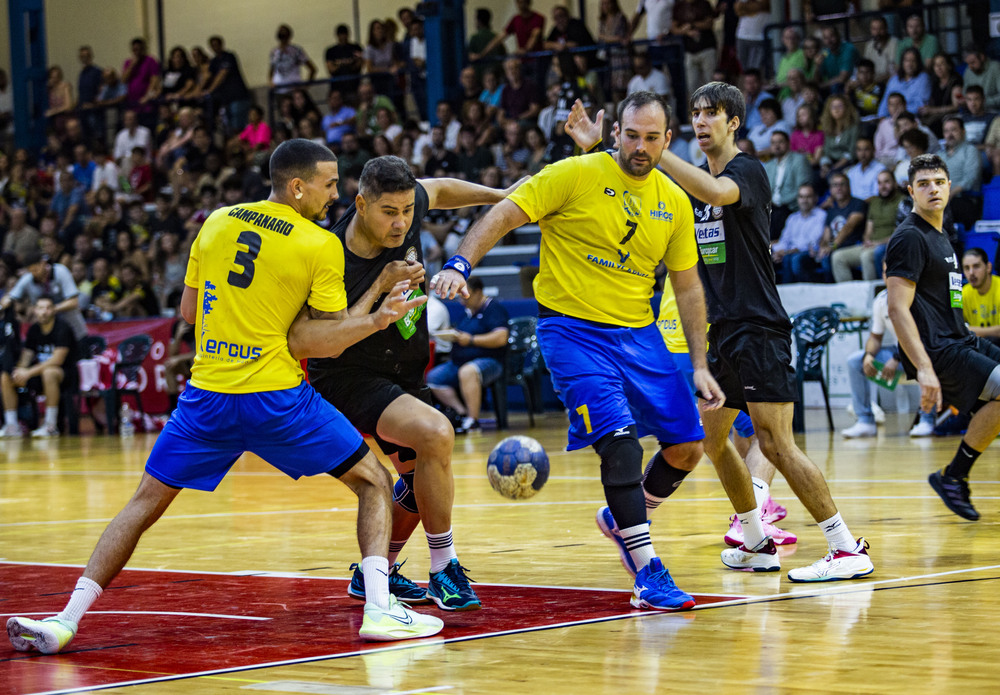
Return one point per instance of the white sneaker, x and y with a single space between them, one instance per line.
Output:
10 432
47 636
860 429
878 414
45 431
838 564
763 558
922 429
397 623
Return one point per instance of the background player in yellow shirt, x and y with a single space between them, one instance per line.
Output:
981 295
252 268
607 220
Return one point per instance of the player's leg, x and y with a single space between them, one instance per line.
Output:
761 475
52 378
415 425
301 434
443 383
11 427
980 366
470 386
847 558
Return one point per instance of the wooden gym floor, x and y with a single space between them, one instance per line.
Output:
243 590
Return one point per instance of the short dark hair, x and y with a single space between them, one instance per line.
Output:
909 115
866 63
781 133
385 174
975 88
956 119
915 137
484 16
297 159
772 105
474 283
343 29
32 257
979 253
722 95
637 100
926 162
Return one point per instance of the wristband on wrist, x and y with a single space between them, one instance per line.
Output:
459 264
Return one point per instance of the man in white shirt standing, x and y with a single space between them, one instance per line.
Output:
131 135
864 175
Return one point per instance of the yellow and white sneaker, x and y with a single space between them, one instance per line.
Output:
397 623
48 636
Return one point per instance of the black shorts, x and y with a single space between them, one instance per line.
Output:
362 396
963 371
752 364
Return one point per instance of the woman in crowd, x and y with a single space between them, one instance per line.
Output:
911 81
839 124
940 103
613 28
535 140
806 136
180 78
60 97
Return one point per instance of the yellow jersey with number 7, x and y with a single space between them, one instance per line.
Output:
255 266
603 235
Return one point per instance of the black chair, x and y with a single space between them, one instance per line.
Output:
813 329
523 366
89 347
131 354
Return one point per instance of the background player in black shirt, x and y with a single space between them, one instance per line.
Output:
379 383
47 359
924 280
750 338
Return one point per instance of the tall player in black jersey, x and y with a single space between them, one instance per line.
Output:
749 350
379 384
924 280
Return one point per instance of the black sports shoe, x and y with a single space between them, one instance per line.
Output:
954 492
451 591
402 588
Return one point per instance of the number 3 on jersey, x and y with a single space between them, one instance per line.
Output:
245 259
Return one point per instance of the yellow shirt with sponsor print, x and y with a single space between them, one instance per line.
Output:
669 320
603 234
982 310
255 266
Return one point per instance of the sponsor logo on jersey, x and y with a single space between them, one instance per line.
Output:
623 256
233 350
609 192
952 260
661 214
716 213
709 232
615 265
703 213
411 254
632 204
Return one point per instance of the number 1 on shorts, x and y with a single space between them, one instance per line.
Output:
582 410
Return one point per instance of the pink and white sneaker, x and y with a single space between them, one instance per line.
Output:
772 512
734 536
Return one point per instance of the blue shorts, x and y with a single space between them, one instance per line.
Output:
294 430
447 374
742 424
610 377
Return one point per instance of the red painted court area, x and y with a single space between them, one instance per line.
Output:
151 625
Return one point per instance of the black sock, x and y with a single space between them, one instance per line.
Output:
962 463
627 504
661 478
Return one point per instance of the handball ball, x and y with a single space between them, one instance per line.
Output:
518 467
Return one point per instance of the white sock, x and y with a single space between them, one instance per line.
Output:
761 491
837 534
376 572
51 417
639 546
10 418
395 548
442 548
86 592
753 528
652 502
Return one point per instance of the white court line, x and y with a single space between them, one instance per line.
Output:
353 510
190 615
853 587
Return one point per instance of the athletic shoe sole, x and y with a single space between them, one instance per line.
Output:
831 579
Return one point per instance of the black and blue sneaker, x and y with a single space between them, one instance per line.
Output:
655 589
451 591
402 588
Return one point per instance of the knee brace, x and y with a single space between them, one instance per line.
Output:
402 493
621 457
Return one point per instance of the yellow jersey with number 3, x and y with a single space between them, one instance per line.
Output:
255 266
603 235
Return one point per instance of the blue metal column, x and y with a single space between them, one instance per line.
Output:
444 32
28 72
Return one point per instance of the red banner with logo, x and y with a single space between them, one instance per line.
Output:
96 373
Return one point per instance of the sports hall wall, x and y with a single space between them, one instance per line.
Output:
248 26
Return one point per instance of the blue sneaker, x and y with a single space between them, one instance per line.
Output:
655 589
609 527
451 591
402 588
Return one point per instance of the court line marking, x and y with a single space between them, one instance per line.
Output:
191 615
850 588
353 510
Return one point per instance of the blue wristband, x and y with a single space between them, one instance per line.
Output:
460 264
